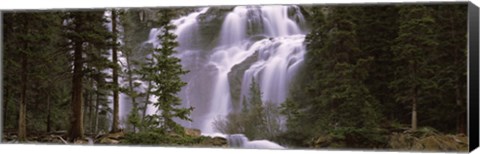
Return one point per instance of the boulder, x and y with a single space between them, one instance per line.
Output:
213 142
107 140
81 141
117 135
219 141
192 132
322 141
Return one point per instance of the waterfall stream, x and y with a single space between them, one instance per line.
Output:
267 41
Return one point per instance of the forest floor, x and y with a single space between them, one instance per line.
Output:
422 140
190 138
425 140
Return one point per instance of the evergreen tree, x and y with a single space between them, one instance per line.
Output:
83 28
254 112
335 98
414 46
444 106
29 35
134 117
164 76
115 71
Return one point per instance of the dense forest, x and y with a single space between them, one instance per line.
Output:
374 76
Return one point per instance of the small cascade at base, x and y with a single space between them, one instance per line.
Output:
241 141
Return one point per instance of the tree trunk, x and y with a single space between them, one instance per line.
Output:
146 101
462 118
5 106
414 99
131 88
86 102
116 118
76 127
97 102
48 114
90 109
414 111
22 125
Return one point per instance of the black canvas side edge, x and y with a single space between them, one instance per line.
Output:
473 71
1 77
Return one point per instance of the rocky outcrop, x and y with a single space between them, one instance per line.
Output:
213 142
192 132
111 138
235 78
428 141
210 25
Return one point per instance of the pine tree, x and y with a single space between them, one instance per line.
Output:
414 45
130 27
331 94
30 35
84 28
115 71
165 77
254 113
450 61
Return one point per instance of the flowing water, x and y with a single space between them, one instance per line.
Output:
240 141
266 41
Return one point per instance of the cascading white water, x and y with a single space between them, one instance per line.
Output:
240 141
273 35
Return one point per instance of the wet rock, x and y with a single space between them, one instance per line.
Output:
235 78
219 141
213 142
192 132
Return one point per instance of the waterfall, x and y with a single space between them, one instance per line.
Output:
266 41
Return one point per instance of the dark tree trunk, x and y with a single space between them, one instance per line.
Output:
462 118
48 114
76 127
86 102
97 102
5 107
414 99
116 109
90 109
131 88
146 102
22 125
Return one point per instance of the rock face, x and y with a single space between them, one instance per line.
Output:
235 78
210 25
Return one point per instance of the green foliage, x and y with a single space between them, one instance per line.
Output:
164 73
335 96
256 120
34 36
362 66
159 137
